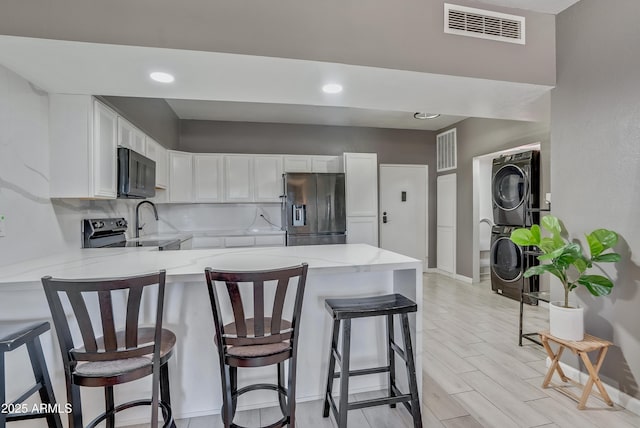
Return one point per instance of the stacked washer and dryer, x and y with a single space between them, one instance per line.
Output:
516 194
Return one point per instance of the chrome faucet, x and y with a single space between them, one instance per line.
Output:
155 212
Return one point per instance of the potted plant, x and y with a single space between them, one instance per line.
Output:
566 261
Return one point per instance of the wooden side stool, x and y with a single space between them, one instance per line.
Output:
582 348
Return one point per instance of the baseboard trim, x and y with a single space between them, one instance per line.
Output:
463 278
630 403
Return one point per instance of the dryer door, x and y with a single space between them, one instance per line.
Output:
509 187
506 260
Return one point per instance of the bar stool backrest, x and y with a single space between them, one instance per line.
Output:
113 344
261 328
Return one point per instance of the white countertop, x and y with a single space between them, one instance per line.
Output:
189 265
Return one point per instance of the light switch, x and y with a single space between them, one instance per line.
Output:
2 225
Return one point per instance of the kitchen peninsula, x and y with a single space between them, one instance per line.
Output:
350 270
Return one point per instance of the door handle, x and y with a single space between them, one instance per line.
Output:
384 217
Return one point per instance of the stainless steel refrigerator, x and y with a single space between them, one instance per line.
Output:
313 210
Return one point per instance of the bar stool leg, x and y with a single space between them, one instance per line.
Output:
109 406
73 398
344 374
411 373
165 393
3 395
391 359
227 400
281 399
332 367
41 374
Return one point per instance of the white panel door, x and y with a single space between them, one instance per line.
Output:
238 178
403 210
446 239
267 173
207 178
362 230
104 151
180 177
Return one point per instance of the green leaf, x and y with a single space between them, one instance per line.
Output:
540 269
523 237
609 257
608 238
548 245
552 224
564 256
595 246
535 232
581 264
597 285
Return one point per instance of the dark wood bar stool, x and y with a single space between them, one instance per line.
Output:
13 336
118 356
260 340
343 311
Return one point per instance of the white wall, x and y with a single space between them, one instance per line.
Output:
36 226
485 202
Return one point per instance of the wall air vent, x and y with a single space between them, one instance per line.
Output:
484 24
447 152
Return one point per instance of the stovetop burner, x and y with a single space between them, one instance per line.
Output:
110 233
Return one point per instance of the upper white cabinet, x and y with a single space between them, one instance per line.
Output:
131 137
361 183
326 164
83 134
267 174
180 176
238 178
303 163
294 163
157 153
207 177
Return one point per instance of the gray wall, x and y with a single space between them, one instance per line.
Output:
404 35
595 173
392 146
478 137
154 116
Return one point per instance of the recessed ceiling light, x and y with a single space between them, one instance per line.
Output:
425 116
161 77
332 88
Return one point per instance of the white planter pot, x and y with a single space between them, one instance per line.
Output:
566 323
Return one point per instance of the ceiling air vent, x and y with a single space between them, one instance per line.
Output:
446 151
485 24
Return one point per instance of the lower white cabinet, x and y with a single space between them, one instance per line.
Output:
207 178
180 176
239 241
362 230
207 242
270 241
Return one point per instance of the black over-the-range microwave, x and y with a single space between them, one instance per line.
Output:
136 175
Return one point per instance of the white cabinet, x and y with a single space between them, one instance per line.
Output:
180 176
361 171
83 136
361 174
207 178
207 242
238 178
157 153
302 163
294 163
362 230
130 137
270 241
267 175
239 241
326 164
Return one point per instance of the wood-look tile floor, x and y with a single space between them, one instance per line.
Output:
474 373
